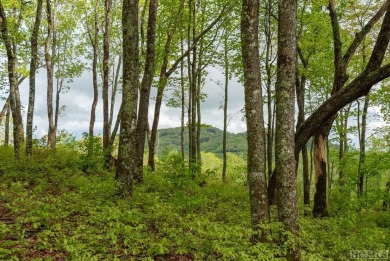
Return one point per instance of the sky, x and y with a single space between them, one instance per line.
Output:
78 100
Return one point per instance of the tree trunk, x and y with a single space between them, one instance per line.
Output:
362 156
49 58
94 43
268 64
300 90
340 78
193 91
106 72
343 144
359 86
320 207
33 68
198 125
6 132
127 163
254 118
225 104
284 143
146 84
165 74
12 80
60 81
153 135
116 127
114 91
163 79
182 129
19 114
5 107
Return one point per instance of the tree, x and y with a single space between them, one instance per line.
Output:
49 58
284 145
11 59
146 84
269 75
106 72
166 72
225 103
340 78
254 116
127 163
93 38
33 68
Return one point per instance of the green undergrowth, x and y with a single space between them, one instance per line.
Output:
52 210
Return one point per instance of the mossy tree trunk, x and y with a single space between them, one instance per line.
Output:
287 202
106 76
11 59
127 163
254 117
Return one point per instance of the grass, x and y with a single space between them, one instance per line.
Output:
51 210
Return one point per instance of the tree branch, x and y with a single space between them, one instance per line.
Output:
196 40
357 88
365 30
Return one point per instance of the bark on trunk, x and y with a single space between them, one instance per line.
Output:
362 156
269 60
6 131
49 58
254 117
33 68
114 91
146 84
182 129
193 90
301 84
343 144
284 143
106 74
94 43
320 207
225 104
12 80
127 163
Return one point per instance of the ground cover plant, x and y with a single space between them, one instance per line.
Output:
50 209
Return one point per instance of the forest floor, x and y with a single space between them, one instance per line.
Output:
58 212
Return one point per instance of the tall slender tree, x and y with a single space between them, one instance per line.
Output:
33 68
166 72
11 59
284 145
50 52
93 38
146 84
127 163
254 116
106 72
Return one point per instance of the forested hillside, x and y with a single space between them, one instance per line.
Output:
210 141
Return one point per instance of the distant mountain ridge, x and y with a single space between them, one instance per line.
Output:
210 140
